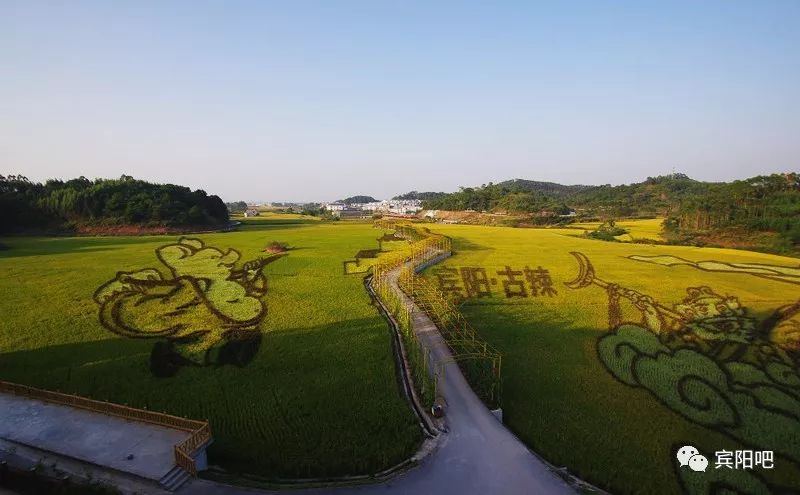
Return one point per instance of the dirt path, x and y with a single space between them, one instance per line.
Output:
477 455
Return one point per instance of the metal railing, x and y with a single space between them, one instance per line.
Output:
200 431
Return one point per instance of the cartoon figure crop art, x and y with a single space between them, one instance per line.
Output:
711 361
205 312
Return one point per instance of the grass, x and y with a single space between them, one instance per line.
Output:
557 395
319 399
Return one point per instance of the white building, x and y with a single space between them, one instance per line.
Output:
334 206
397 206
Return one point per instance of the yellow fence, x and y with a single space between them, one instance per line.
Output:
200 430
480 362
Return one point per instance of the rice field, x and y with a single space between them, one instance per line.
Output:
319 397
568 391
273 218
649 228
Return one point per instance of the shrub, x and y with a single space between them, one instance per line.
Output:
276 247
607 232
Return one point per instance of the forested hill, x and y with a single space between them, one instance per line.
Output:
358 199
27 205
763 203
420 195
551 188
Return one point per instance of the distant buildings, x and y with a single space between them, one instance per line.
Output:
390 206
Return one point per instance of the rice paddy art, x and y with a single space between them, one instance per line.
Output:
206 312
708 359
787 274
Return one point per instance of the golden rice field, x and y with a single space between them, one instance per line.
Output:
588 383
637 229
588 413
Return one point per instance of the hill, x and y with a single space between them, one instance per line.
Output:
552 188
81 202
358 199
694 208
420 195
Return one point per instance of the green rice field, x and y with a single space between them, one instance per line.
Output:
610 400
319 398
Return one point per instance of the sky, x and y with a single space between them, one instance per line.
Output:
313 101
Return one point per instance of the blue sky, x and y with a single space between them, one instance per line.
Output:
301 100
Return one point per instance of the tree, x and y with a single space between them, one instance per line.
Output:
27 205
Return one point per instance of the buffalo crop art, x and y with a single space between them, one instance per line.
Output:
205 312
709 360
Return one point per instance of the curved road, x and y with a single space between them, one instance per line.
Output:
477 455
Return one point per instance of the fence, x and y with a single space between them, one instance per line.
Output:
200 430
480 362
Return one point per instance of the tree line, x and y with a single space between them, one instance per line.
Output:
498 198
62 204
237 207
762 203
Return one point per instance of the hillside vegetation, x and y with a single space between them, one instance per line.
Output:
358 199
421 195
708 210
125 201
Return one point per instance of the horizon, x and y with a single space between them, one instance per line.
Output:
382 198
315 102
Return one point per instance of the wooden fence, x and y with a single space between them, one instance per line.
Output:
200 431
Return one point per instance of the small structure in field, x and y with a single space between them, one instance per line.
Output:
251 212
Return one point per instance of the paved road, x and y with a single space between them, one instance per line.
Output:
90 437
477 456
